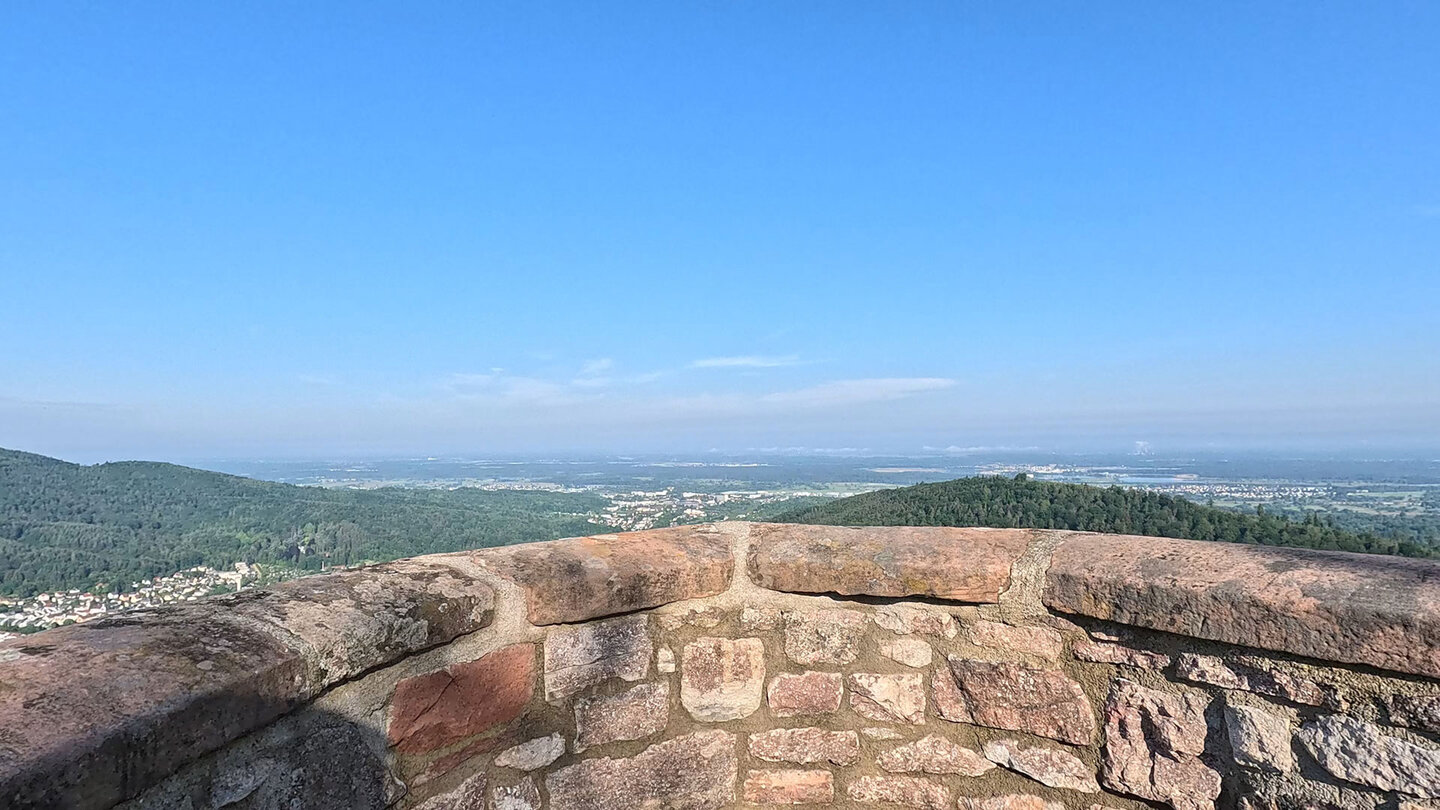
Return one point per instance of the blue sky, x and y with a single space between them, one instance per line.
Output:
263 229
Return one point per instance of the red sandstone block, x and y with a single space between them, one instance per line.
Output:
1356 608
789 787
965 565
442 708
589 577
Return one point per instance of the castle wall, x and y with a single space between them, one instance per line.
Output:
739 665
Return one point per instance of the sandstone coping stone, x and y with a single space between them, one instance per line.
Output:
95 713
441 708
1355 608
964 565
789 787
584 578
692 772
722 679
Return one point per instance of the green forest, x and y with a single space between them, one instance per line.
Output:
64 526
1022 502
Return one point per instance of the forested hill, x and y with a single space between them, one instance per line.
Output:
66 526
1022 502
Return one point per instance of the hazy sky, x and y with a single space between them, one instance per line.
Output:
257 229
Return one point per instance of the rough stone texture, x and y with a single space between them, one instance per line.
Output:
722 679
164 686
1360 752
1262 679
805 745
664 660
1017 697
468 795
967 565
789 787
1152 745
906 619
693 772
1415 711
1259 739
708 617
1012 801
806 693
756 619
532 754
439 709
823 636
882 733
589 577
906 791
1101 653
890 698
1048 766
633 714
581 656
1041 642
523 795
1358 608
934 755
908 651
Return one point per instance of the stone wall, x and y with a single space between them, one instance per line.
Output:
740 665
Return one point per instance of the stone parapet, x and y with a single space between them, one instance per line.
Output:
715 666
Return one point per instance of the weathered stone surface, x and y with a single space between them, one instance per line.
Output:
722 679
468 795
823 636
442 708
805 745
664 660
588 577
1262 680
708 617
935 755
532 754
581 656
908 651
1017 697
1360 752
693 772
523 795
1041 642
906 619
1415 711
789 787
1358 608
1259 739
1152 745
906 791
94 713
806 693
756 619
1048 766
968 565
633 714
1101 653
882 733
1010 801
896 698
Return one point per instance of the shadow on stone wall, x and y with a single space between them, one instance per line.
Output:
312 760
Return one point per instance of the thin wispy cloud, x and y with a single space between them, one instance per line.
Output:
857 392
747 361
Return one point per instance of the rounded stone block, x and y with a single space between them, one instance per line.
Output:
589 577
963 565
1354 608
